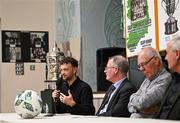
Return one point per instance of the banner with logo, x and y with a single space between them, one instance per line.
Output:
139 25
150 23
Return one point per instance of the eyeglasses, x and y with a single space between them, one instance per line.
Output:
144 63
106 68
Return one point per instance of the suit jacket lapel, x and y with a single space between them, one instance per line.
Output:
166 97
104 101
117 91
175 100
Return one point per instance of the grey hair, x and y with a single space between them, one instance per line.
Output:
154 53
176 43
120 62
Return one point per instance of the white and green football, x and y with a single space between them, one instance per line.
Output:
28 104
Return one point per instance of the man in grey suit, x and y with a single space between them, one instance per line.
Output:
117 96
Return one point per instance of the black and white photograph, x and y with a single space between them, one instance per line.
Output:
39 46
24 46
11 46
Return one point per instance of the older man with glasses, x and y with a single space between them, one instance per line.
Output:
117 96
146 101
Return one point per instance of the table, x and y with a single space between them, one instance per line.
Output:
67 118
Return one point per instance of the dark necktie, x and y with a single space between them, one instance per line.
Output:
111 89
107 97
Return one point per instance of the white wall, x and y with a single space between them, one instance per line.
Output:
0 8
30 15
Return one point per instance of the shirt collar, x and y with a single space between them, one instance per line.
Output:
118 83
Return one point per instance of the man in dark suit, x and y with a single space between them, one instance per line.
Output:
117 96
170 106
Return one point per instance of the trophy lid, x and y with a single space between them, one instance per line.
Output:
55 52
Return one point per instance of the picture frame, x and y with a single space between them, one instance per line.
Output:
24 46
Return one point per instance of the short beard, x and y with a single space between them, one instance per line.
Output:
68 78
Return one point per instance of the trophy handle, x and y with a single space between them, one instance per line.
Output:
176 4
163 1
163 4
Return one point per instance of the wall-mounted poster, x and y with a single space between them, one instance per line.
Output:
24 46
39 45
139 25
169 21
11 46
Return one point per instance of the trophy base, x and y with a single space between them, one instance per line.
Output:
49 115
171 27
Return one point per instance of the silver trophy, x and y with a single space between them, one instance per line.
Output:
171 23
52 71
53 59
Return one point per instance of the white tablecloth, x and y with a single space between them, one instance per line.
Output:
67 118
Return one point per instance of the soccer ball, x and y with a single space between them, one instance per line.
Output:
28 104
